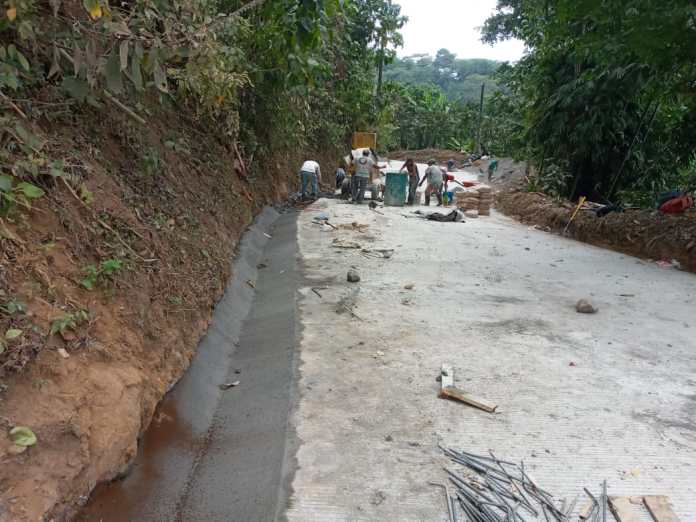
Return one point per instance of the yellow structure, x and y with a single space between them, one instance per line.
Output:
363 140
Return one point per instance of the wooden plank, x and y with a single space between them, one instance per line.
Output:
450 392
623 509
660 508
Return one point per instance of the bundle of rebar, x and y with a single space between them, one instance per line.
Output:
494 490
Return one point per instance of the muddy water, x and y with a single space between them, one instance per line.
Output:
220 455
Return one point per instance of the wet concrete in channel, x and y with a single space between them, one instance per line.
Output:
218 454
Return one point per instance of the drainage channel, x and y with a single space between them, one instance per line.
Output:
219 455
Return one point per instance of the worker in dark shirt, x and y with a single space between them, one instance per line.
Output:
413 179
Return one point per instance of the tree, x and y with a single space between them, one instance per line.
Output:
601 81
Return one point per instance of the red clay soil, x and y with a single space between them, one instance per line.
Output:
167 202
647 234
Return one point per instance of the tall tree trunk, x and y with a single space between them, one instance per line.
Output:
380 68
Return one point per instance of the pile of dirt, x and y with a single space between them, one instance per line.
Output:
643 233
111 279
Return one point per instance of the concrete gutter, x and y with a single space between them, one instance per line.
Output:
211 453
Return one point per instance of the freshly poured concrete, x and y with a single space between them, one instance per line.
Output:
581 398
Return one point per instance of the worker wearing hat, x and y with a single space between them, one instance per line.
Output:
435 176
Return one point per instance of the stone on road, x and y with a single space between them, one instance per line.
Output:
579 399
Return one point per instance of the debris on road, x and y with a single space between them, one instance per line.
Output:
409 286
63 353
455 216
353 276
261 266
251 283
384 253
583 306
358 227
323 219
316 289
229 385
664 263
341 243
449 391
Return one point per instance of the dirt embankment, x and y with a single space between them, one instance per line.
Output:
641 233
148 217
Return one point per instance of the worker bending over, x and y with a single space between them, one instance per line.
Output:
310 173
434 176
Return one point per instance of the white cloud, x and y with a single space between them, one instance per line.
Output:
454 25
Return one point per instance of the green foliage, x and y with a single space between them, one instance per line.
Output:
69 321
151 162
460 79
13 67
303 71
22 436
14 192
102 274
13 306
605 91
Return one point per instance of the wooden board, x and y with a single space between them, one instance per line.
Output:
450 392
624 510
660 508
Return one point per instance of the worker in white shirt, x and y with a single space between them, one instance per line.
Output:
310 173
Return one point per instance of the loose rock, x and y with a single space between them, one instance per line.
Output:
353 276
583 306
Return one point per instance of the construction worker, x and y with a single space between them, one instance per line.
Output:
413 179
492 167
363 167
434 175
340 175
310 173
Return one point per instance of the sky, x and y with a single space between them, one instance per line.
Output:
454 25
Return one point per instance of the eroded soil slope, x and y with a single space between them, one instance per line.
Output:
148 216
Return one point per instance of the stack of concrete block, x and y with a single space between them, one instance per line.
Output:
467 200
485 200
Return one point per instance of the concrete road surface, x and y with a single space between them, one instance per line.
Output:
581 398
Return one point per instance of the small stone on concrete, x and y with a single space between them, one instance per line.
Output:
583 306
353 276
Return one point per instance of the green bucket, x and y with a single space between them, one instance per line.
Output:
395 189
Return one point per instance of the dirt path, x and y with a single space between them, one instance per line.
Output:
581 398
